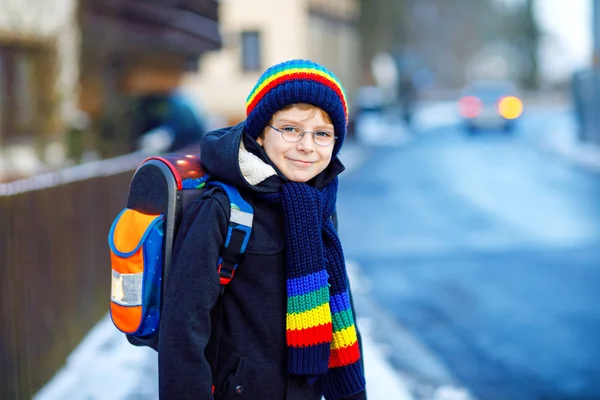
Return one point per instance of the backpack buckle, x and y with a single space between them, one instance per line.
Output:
225 274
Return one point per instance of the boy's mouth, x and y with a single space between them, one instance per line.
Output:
301 163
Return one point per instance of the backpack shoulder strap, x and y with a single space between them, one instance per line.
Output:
232 253
238 232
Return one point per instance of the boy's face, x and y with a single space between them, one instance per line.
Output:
298 161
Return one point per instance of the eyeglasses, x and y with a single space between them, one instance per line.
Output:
295 134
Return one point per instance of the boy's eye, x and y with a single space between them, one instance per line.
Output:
291 129
324 134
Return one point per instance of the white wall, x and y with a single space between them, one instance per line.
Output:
337 46
221 85
287 32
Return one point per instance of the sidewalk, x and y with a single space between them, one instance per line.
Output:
106 366
397 366
564 142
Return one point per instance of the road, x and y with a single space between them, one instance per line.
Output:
487 249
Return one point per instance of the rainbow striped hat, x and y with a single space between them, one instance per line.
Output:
297 81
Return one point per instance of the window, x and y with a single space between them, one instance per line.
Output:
25 96
3 108
18 96
251 51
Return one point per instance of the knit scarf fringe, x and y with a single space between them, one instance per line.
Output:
320 328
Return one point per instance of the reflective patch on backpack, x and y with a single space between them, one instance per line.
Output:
136 253
241 217
126 289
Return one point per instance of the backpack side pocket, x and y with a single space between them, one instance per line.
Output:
136 243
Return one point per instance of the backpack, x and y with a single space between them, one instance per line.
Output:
142 236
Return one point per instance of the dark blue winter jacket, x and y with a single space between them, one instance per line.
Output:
252 349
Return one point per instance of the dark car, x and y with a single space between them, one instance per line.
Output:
490 105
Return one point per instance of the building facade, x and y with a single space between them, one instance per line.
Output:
270 31
69 70
39 55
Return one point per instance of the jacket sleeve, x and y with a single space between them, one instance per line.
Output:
361 395
191 291
358 396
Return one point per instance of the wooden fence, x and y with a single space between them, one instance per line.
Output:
54 266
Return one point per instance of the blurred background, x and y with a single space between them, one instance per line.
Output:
470 210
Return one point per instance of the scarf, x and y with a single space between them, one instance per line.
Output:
320 327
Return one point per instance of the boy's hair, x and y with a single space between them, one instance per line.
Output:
296 82
306 106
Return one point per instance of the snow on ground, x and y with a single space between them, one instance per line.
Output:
106 366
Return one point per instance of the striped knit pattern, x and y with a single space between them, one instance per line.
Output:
292 82
291 72
320 329
344 346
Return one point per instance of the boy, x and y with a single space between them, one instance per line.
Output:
288 329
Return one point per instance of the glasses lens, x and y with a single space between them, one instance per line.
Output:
291 133
295 134
323 138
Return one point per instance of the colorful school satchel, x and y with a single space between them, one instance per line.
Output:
141 240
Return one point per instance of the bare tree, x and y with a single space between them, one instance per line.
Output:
446 35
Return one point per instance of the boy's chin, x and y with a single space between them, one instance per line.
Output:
299 177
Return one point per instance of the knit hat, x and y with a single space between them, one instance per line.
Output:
297 81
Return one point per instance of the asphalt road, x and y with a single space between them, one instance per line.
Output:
487 249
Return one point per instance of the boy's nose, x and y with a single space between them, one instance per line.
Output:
307 143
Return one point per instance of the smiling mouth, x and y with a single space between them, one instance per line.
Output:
301 162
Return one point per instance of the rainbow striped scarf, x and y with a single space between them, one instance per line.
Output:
320 328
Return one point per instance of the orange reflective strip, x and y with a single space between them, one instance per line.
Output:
127 319
129 230
129 265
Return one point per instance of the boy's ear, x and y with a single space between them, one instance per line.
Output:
261 137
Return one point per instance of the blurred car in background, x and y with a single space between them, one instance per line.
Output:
490 105
367 114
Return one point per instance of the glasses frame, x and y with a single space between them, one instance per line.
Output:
302 136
